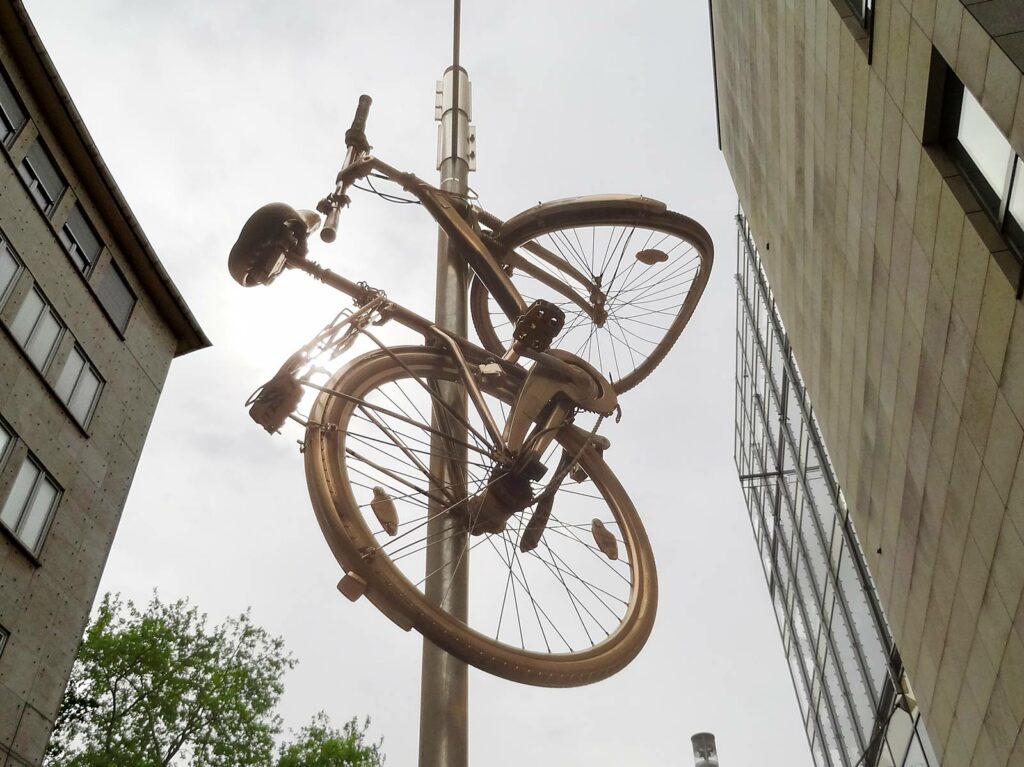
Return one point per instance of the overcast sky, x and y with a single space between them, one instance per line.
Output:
204 111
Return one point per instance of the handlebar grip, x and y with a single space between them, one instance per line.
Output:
330 230
355 137
359 121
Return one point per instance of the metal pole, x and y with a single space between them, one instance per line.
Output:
444 688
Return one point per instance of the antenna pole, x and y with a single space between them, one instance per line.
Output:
444 687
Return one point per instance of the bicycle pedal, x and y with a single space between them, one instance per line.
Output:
539 325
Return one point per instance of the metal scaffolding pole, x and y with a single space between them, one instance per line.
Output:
444 688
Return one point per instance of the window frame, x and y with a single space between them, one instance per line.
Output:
112 264
87 364
5 118
19 267
33 182
47 309
859 18
995 202
864 10
43 370
72 246
15 532
942 129
5 451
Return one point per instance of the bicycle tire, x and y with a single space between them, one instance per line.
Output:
336 488
556 226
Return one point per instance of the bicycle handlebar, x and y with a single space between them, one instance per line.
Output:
355 140
330 229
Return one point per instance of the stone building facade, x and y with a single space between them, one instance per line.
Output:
875 146
89 323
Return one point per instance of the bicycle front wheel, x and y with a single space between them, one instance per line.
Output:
627 273
562 614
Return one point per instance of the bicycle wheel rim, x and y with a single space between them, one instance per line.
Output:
341 507
638 333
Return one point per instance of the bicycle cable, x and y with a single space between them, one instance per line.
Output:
384 195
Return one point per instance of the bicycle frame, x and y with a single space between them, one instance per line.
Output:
442 207
549 377
407 435
449 216
557 374
551 391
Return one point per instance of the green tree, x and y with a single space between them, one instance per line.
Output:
320 745
159 687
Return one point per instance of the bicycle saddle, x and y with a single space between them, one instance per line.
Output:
271 233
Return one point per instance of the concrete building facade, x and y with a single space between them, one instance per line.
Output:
875 146
89 323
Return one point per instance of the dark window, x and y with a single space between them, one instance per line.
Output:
80 239
6 439
10 266
115 296
858 17
40 173
864 10
12 114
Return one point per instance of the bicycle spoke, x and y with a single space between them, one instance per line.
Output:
638 294
563 596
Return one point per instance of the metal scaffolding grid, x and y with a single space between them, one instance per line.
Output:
846 669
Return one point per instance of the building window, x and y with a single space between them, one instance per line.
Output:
12 113
863 10
983 155
30 505
78 386
115 296
37 329
80 239
4 633
6 440
858 16
39 172
10 267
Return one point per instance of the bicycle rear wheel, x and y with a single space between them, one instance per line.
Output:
563 614
627 273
